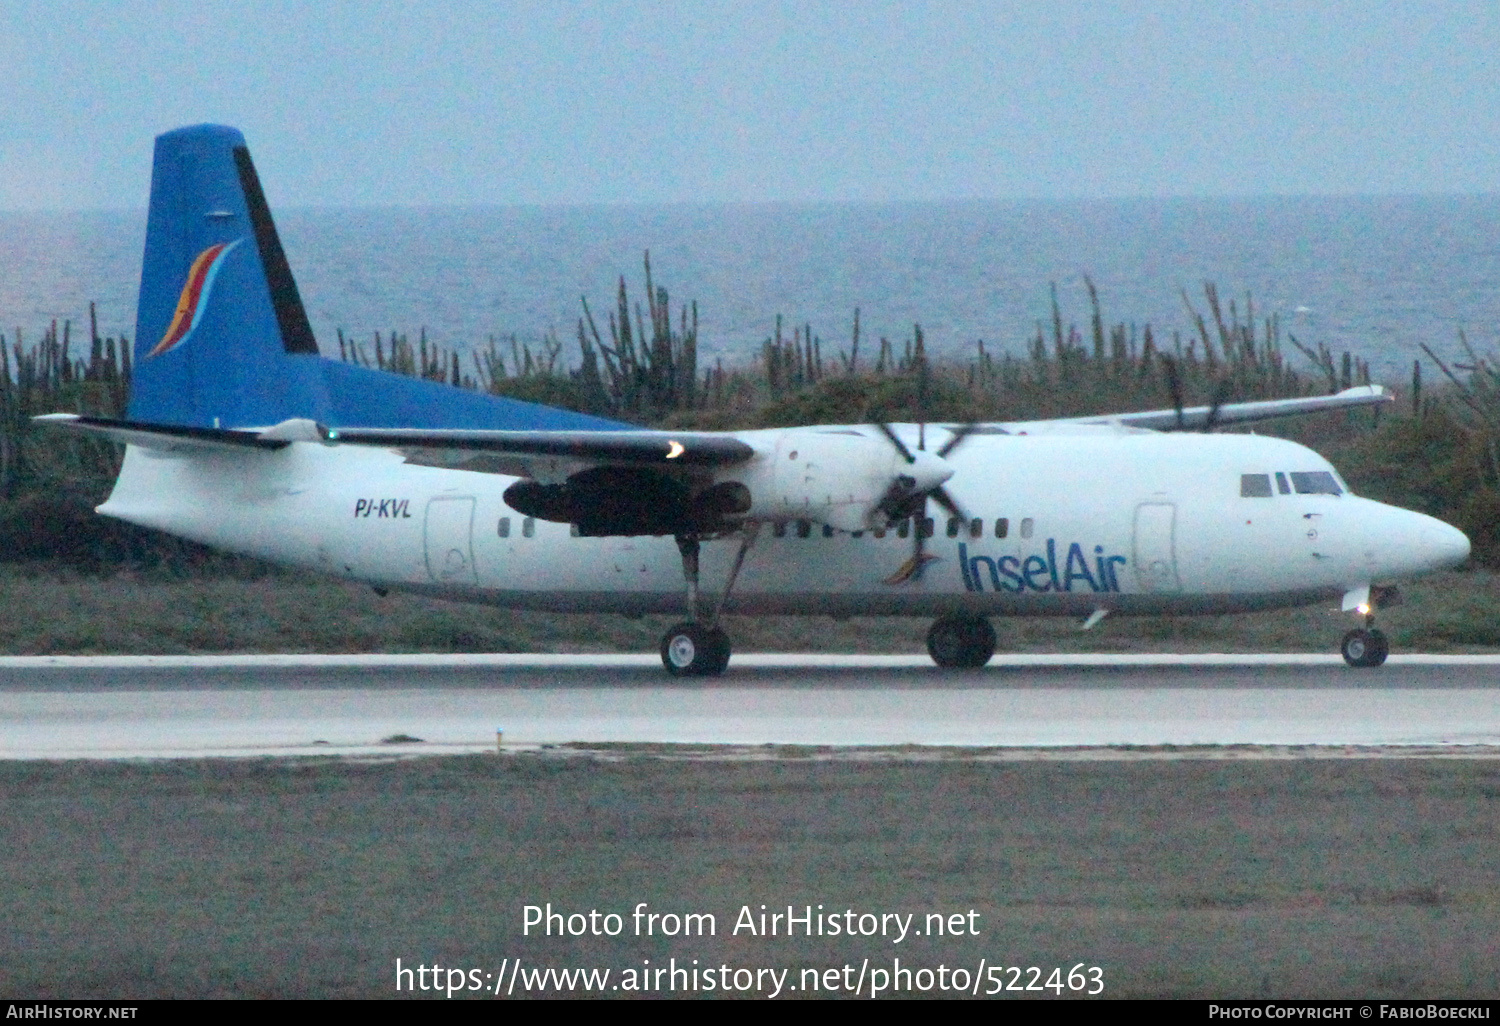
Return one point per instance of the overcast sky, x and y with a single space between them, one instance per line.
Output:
618 102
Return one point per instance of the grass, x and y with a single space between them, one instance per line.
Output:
1178 878
50 612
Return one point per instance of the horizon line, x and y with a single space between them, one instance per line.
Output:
810 203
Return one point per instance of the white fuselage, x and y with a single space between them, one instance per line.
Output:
1121 520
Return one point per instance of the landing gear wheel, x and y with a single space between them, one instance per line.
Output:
1365 648
961 642
721 649
694 650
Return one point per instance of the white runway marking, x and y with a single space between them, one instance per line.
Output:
322 708
753 660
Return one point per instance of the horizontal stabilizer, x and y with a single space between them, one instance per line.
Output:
168 438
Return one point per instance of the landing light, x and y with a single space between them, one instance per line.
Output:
1363 609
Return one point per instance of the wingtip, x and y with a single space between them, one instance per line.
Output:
1369 390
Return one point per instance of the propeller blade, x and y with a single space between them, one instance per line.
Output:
942 498
963 431
1221 396
912 569
919 542
1174 386
922 382
885 429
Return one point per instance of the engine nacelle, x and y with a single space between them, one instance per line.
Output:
605 501
837 476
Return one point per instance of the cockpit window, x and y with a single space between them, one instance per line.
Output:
1255 486
1315 482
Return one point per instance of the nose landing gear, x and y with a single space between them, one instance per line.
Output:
1367 646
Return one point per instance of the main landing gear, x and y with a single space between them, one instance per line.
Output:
692 649
961 642
699 648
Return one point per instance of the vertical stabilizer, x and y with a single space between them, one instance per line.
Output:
222 339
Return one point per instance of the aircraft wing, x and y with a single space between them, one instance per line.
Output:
1193 418
684 448
524 452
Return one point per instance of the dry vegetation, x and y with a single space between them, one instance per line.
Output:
106 586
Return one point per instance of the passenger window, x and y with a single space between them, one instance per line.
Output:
953 525
1315 482
976 527
880 532
903 529
1281 485
1002 527
1026 527
505 527
926 527
1255 486
857 534
778 529
827 530
804 528
528 527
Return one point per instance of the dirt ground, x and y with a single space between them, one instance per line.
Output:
1175 877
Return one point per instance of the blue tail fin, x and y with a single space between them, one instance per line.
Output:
218 311
222 338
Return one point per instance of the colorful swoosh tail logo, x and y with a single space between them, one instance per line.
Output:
190 304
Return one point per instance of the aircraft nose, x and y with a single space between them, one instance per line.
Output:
1402 542
1443 545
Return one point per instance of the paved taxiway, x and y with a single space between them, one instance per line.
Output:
124 707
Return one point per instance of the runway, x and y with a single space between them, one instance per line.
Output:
175 707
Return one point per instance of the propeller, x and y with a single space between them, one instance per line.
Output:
906 498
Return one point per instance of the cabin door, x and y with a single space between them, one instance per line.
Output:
448 537
1155 551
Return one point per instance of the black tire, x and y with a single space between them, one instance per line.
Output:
721 650
961 642
693 650
1364 648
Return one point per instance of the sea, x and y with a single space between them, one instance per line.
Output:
1375 276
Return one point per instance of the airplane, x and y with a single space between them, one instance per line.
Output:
240 435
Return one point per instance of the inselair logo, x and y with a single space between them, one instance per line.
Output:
194 298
